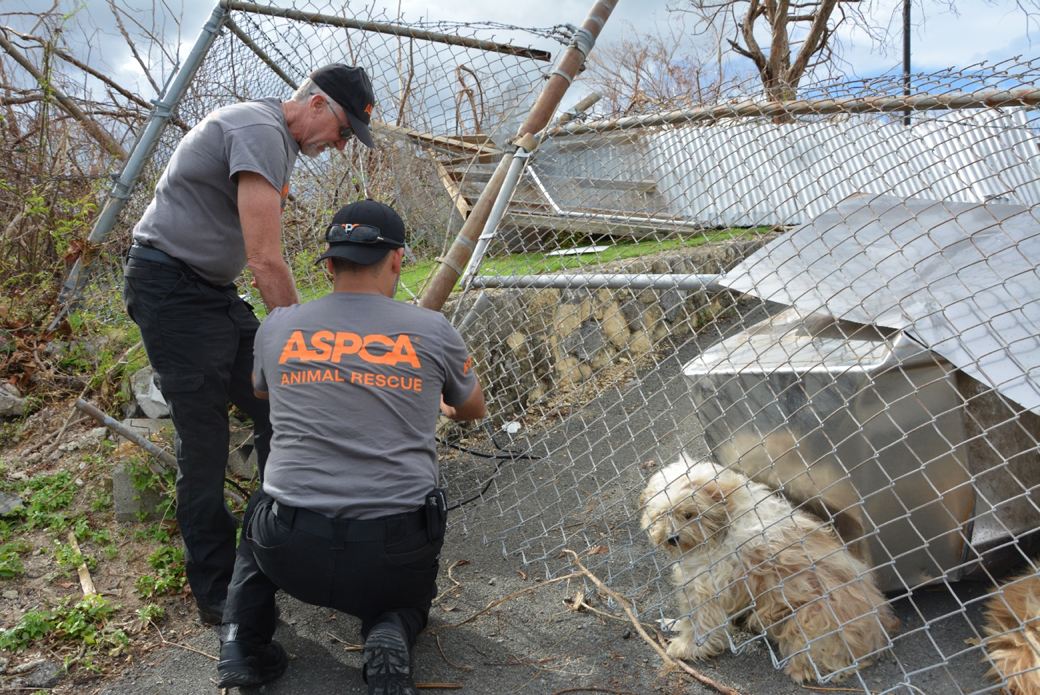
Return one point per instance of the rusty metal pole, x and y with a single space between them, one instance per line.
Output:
454 262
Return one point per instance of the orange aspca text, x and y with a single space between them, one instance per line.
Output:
326 346
310 376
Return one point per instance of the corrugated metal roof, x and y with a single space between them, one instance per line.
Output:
959 278
752 173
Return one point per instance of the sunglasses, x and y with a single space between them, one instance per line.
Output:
345 131
357 234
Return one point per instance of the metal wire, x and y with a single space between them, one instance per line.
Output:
704 232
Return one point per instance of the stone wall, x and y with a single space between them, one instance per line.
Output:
530 344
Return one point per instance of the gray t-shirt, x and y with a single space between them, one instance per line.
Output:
355 382
194 214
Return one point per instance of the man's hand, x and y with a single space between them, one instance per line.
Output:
259 209
472 409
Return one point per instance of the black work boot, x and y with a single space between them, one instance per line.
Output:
246 663
388 664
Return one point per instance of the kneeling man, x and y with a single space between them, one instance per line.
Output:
349 516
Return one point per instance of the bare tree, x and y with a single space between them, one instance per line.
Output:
787 40
658 70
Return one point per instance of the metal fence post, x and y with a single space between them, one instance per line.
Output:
139 157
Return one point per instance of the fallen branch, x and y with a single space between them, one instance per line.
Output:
165 457
724 689
448 661
351 647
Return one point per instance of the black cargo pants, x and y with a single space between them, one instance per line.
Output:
370 568
199 340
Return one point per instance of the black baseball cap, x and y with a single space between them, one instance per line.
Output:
349 87
370 213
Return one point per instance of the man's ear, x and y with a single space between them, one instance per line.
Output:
396 260
329 268
316 103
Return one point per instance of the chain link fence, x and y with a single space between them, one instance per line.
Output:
838 307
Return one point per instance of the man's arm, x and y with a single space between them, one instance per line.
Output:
260 210
262 395
472 409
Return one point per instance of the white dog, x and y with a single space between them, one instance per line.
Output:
745 554
1012 630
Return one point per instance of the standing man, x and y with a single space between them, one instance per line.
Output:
216 210
350 516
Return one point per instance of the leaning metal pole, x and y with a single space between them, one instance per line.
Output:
453 262
139 157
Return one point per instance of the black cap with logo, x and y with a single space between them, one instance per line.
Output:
364 232
350 88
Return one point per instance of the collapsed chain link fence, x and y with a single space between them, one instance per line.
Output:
818 297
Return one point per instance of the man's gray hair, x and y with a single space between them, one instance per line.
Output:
306 90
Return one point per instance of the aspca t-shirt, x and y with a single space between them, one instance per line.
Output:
355 382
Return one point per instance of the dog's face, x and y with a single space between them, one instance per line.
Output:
685 504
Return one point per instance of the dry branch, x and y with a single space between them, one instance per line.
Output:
89 124
724 689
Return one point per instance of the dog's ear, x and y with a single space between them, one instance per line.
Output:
711 499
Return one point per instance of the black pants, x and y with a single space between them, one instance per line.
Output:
199 340
363 568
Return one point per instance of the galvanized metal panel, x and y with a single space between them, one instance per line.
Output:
960 278
756 172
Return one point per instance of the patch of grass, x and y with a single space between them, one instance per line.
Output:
169 577
45 498
69 560
84 621
11 558
415 275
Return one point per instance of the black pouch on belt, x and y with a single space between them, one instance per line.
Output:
436 514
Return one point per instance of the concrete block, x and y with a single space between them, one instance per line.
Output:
129 501
242 457
11 402
148 395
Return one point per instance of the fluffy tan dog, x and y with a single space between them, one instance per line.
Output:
745 554
1013 634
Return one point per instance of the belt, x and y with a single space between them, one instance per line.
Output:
349 530
148 253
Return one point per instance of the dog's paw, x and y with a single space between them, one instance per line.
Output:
686 647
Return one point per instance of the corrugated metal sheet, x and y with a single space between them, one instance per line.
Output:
750 173
959 278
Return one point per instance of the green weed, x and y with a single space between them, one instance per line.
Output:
84 621
169 578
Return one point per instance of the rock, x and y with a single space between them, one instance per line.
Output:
10 594
11 402
148 395
615 329
585 342
46 675
129 501
242 459
672 304
8 503
632 311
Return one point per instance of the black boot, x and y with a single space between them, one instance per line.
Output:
247 663
388 664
